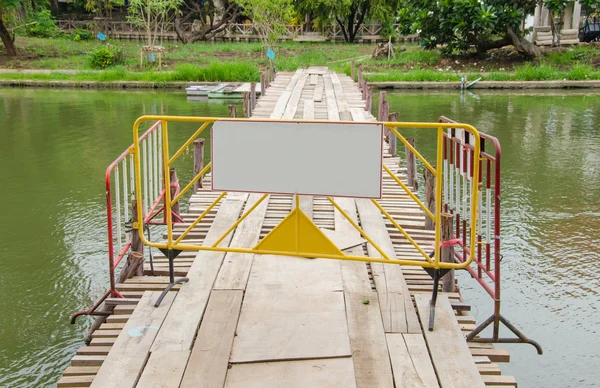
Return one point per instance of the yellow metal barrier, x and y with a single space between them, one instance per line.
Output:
289 240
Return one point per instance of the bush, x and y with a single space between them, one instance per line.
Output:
106 56
79 34
44 26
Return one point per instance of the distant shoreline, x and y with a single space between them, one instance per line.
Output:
399 85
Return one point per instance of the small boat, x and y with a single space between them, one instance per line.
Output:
232 91
200 90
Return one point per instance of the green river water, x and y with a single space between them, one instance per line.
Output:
56 144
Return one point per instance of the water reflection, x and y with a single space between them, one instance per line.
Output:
550 206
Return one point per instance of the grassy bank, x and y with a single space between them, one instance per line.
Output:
243 61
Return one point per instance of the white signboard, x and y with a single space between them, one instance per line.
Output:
330 159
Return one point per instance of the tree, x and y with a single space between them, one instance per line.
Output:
349 14
7 40
214 16
269 17
103 9
152 15
459 25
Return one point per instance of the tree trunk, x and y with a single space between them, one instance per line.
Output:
522 45
9 45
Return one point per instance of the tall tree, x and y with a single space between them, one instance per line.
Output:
213 16
459 25
269 17
349 14
153 16
7 40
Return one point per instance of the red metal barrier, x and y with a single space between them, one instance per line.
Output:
153 174
485 268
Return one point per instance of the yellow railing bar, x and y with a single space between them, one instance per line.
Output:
411 148
438 195
167 180
235 224
401 229
189 185
200 217
362 232
188 142
409 192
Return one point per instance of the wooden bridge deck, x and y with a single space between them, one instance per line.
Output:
270 321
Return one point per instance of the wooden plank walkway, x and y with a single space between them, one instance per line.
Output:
271 321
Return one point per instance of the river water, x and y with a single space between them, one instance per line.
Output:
56 144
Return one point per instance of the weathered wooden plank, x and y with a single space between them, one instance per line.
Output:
318 93
342 240
499 381
208 363
182 323
410 361
397 310
81 370
235 270
292 105
354 274
449 351
281 105
308 112
495 355
337 372
164 369
314 79
333 113
367 340
129 354
290 273
278 324
75 381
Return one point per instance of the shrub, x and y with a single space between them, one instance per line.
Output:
79 34
44 26
106 56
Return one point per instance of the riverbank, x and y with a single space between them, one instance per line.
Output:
60 59
507 85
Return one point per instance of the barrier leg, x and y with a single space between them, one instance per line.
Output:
171 255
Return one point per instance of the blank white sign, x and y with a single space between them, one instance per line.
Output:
330 159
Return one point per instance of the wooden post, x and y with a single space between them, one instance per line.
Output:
268 76
447 254
252 95
411 166
380 109
136 242
263 86
429 197
232 112
369 98
199 160
392 138
247 104
174 184
352 70
360 77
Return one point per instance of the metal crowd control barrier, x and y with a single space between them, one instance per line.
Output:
459 176
173 246
119 184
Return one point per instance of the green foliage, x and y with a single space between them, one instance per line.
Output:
152 15
573 55
105 56
79 35
349 14
43 25
459 25
269 17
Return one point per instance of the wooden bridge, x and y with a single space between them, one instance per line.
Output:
271 321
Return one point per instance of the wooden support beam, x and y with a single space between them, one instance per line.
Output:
199 159
447 253
393 140
411 165
429 197
252 95
232 110
247 108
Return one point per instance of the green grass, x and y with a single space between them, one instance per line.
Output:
205 61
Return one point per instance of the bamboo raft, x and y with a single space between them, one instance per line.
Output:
270 321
